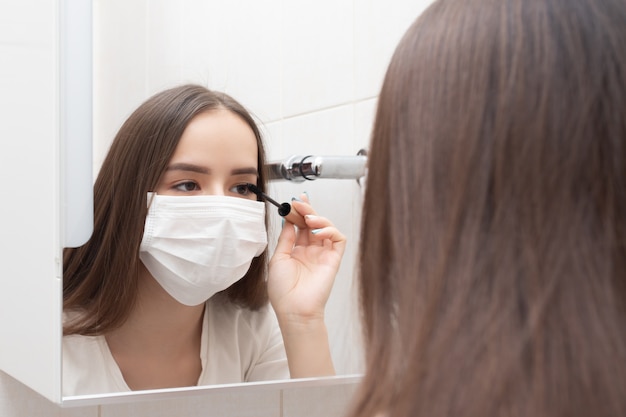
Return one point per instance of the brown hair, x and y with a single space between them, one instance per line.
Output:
493 240
100 277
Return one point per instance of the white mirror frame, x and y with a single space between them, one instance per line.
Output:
173 393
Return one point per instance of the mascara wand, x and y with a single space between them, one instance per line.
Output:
284 209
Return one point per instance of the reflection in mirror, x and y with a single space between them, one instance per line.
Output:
172 43
172 288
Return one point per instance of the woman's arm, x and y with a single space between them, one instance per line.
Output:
301 275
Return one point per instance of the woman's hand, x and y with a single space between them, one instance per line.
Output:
301 276
305 263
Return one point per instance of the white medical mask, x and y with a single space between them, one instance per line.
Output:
197 246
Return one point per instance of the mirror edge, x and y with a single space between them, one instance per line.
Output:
183 392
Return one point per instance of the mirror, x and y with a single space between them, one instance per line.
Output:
309 71
242 48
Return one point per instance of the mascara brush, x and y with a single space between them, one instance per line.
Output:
284 209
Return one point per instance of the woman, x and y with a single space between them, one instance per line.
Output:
172 288
493 245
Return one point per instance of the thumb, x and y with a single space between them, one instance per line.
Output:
286 240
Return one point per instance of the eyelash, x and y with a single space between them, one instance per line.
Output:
240 188
181 184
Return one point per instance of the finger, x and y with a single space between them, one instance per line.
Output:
302 208
314 221
331 234
296 218
286 240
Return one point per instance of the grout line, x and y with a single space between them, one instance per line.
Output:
281 50
321 109
354 71
181 40
147 43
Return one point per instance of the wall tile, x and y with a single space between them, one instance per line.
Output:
327 132
327 401
330 133
164 32
273 139
364 114
198 33
318 63
235 47
119 68
17 400
378 27
238 402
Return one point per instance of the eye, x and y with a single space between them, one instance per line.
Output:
187 186
241 189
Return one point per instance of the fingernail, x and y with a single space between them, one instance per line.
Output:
310 216
282 222
295 199
316 231
307 194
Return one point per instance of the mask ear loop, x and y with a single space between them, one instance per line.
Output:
151 195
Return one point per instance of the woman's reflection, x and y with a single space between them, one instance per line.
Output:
172 288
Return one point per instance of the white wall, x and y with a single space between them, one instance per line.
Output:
310 71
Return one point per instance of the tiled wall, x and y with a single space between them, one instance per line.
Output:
300 399
310 71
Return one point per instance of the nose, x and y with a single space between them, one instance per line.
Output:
215 189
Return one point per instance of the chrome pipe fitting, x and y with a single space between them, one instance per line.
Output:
299 168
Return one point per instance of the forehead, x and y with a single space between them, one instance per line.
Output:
217 137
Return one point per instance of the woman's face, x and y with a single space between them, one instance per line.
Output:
217 155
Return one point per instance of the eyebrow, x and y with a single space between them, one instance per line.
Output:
188 167
181 166
241 171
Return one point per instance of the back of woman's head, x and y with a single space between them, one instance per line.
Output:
493 245
100 278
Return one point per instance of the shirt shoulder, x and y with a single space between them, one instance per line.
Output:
241 344
89 367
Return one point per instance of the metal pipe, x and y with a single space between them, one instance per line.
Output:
299 168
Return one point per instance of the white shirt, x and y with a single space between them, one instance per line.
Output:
237 345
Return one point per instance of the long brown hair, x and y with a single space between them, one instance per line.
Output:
493 239
100 277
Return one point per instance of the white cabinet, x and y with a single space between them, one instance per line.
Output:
45 168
